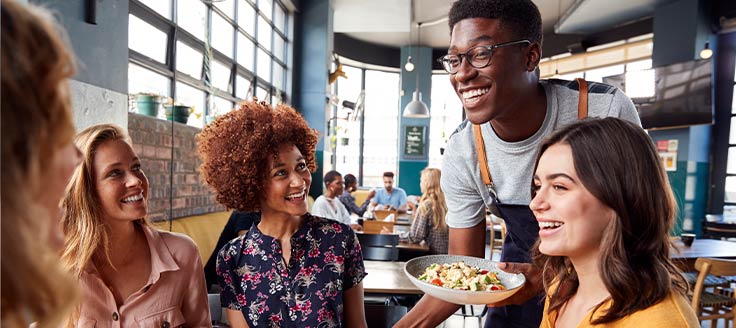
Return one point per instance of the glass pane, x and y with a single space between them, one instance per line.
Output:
227 7
162 7
597 75
639 65
262 94
733 101
264 33
266 7
192 16
347 132
731 166
146 39
730 196
220 76
278 76
279 18
222 106
732 134
381 114
640 84
190 96
264 65
188 60
144 80
445 115
222 35
246 52
247 17
242 88
278 47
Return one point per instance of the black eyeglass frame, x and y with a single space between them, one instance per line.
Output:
442 60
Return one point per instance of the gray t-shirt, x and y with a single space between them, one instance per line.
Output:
511 163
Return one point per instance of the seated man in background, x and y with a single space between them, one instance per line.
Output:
238 224
389 197
347 199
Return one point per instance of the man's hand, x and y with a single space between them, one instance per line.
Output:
531 288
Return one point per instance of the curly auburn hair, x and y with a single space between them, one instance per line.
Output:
236 147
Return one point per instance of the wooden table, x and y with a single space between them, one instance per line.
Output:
405 245
387 278
685 256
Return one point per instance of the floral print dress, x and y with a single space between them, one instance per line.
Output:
326 260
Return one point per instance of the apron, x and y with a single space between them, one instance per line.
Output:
522 232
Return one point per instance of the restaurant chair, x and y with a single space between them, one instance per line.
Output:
719 230
469 311
375 226
713 305
215 310
379 247
382 214
384 316
496 244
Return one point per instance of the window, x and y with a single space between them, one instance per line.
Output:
729 197
381 126
347 131
244 60
446 115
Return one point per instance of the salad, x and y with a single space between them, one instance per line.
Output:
461 276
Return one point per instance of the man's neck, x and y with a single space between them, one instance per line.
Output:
525 119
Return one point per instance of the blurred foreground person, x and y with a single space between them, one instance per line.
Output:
38 160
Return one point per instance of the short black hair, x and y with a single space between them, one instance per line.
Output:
331 176
350 179
522 17
388 174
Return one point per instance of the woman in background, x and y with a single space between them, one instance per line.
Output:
328 206
429 219
291 269
347 199
131 273
38 160
605 209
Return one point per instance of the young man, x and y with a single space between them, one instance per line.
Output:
495 48
390 197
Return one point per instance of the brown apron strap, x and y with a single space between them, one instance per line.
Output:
582 98
481 150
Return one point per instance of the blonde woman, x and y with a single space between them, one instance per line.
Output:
38 160
429 221
131 273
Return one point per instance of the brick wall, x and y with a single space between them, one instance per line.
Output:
152 142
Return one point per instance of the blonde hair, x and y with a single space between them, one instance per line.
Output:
433 198
84 228
36 123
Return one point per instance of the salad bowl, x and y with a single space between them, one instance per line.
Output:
417 266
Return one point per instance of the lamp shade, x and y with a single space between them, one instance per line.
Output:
416 108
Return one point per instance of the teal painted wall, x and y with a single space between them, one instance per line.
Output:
410 168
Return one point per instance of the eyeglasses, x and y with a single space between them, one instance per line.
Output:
477 57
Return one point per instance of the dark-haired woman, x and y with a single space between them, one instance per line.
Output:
604 208
347 199
291 269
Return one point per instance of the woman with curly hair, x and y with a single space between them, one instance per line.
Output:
292 269
429 220
130 273
38 160
605 208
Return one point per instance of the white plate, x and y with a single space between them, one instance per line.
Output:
416 267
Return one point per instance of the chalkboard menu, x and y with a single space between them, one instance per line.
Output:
415 138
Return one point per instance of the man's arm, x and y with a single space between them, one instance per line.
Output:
430 311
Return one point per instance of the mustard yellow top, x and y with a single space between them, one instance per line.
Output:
674 311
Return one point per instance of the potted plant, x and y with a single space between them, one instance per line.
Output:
178 112
147 103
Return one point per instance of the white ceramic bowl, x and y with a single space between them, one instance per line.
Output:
415 268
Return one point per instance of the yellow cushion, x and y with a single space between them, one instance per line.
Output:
204 229
360 196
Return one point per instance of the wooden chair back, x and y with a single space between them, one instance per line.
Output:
713 306
382 214
375 226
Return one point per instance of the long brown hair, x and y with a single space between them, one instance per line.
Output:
36 123
433 198
618 163
84 229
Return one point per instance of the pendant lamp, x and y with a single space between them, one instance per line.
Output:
417 108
